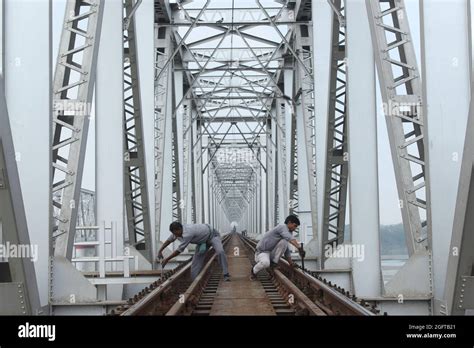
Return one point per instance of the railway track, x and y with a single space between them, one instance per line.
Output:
284 290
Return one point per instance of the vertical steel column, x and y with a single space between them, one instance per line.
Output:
163 107
197 171
271 175
175 155
18 283
254 212
445 57
335 189
178 117
282 162
293 146
145 34
459 284
363 169
304 99
400 86
323 20
250 217
109 135
28 94
72 96
135 176
209 191
193 171
214 200
212 196
259 194
188 171
205 183
200 166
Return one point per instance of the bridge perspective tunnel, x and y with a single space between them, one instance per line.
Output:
237 114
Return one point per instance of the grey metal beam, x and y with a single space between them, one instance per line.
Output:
18 284
219 25
178 46
270 177
282 203
293 188
400 86
235 98
163 107
135 178
335 189
304 103
72 92
363 170
459 286
162 11
175 172
243 54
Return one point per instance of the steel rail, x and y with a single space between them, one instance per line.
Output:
191 296
185 306
176 294
332 299
145 302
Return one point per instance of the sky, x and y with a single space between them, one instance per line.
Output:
389 210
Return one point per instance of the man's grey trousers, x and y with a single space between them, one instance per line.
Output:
198 259
263 258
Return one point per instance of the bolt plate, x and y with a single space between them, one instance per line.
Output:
468 299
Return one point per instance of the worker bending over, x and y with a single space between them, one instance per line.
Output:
203 236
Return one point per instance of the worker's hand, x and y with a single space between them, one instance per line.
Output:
291 263
302 252
160 256
164 262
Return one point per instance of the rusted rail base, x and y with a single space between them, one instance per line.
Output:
160 296
284 290
332 299
268 296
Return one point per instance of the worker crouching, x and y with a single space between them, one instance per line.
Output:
274 245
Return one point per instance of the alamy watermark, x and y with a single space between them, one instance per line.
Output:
354 251
73 108
37 331
232 156
27 251
393 108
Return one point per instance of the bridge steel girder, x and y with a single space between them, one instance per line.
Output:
163 107
72 95
18 286
281 171
401 89
337 167
446 44
135 176
459 285
24 165
306 124
363 170
402 95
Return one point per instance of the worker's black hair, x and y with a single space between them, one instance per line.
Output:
292 218
176 226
